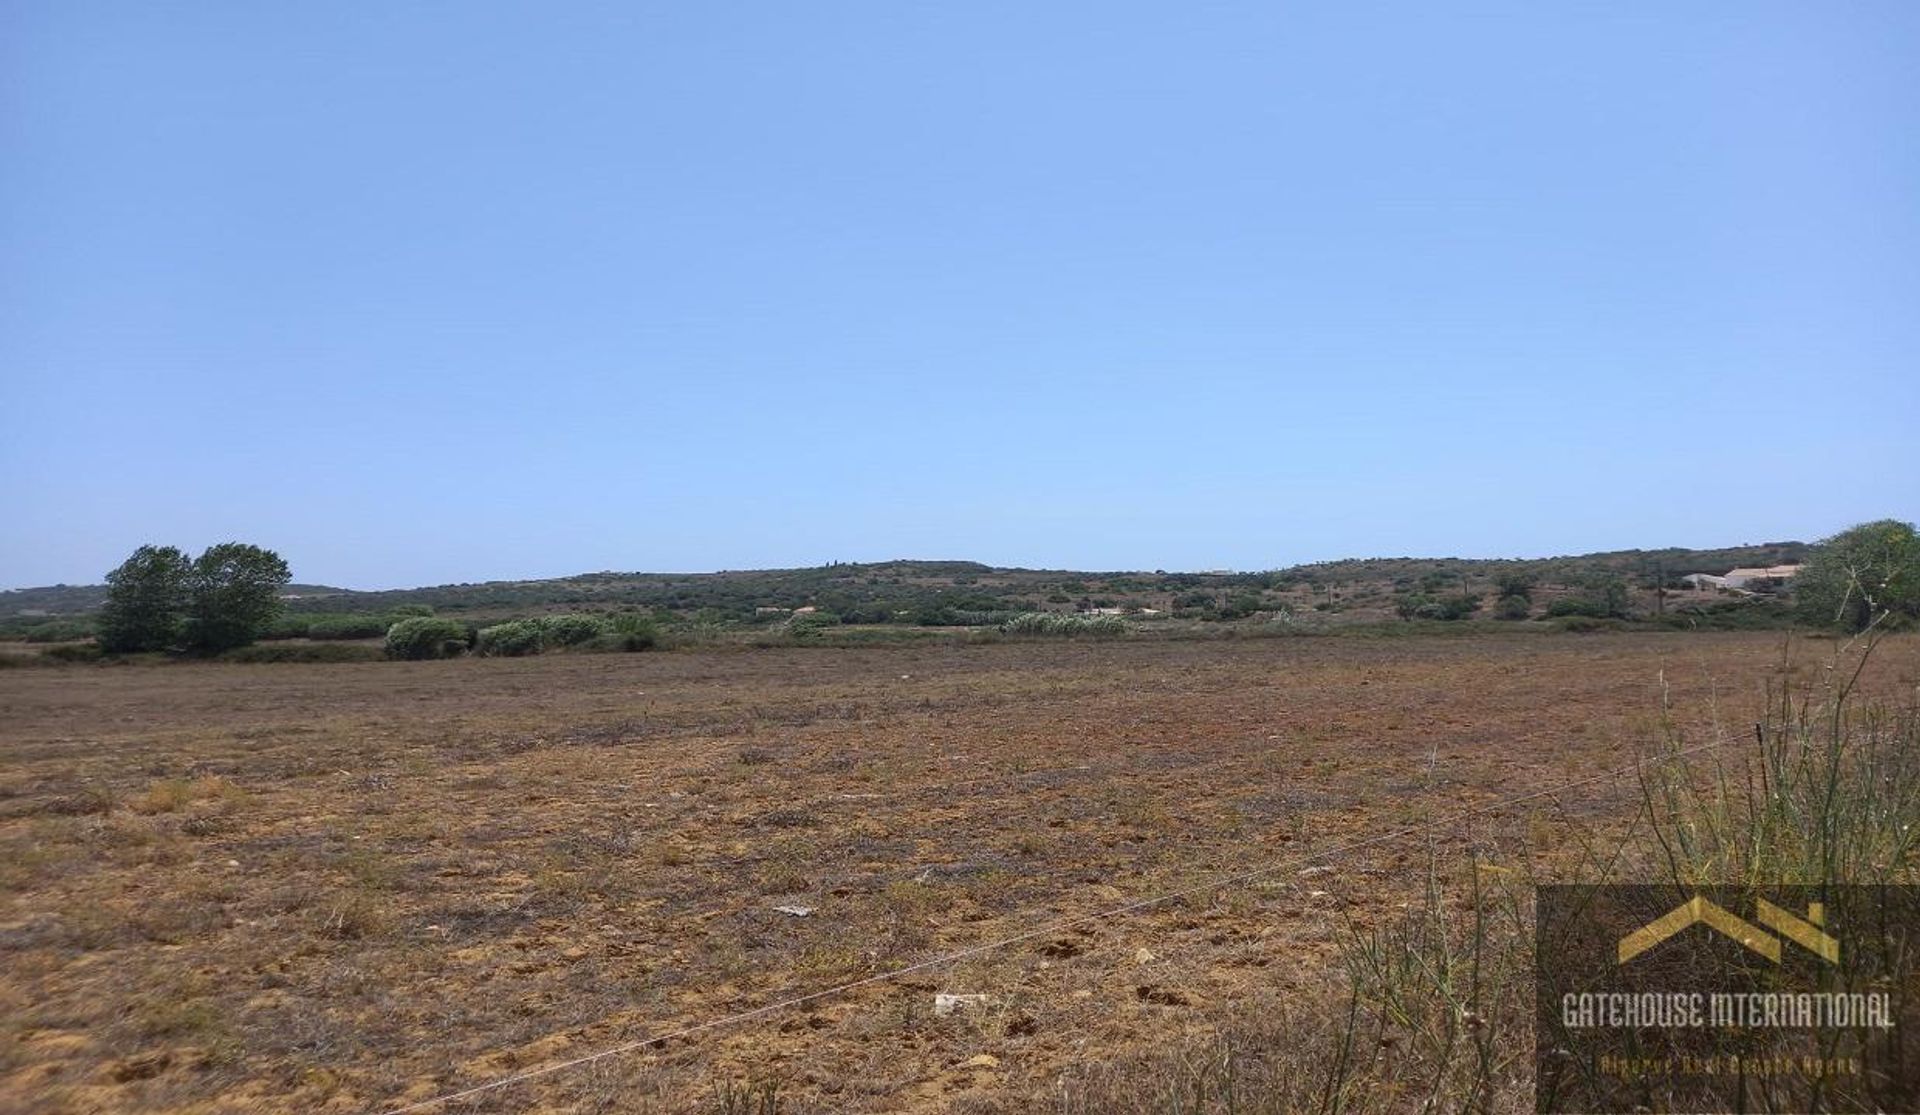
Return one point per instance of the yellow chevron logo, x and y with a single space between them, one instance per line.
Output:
1808 934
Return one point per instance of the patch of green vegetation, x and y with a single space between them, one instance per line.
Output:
424 637
1064 625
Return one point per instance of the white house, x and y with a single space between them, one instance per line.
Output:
1741 580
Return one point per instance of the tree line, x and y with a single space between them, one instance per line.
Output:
229 596
161 600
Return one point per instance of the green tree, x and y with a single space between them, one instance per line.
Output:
233 595
1861 575
146 601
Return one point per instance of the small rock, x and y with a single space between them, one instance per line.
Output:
945 1004
233 863
795 911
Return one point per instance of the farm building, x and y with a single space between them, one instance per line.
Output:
1742 580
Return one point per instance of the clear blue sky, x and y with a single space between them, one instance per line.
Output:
435 292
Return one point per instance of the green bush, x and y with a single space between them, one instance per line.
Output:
519 637
1574 607
409 611
631 632
615 642
74 652
304 652
1061 625
571 630
424 637
809 624
1513 606
512 639
1239 607
1421 606
60 631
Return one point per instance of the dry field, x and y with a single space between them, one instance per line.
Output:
346 888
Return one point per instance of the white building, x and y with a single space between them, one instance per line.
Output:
1742 580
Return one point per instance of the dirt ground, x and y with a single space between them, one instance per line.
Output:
346 888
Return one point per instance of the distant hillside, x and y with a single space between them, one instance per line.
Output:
957 591
60 600
1674 562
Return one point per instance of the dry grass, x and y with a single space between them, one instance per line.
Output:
335 887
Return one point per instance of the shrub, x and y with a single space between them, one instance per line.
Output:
304 652
609 643
1058 625
1573 606
511 639
1513 606
424 637
1421 606
74 652
1239 607
631 632
59 631
410 610
810 624
570 630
